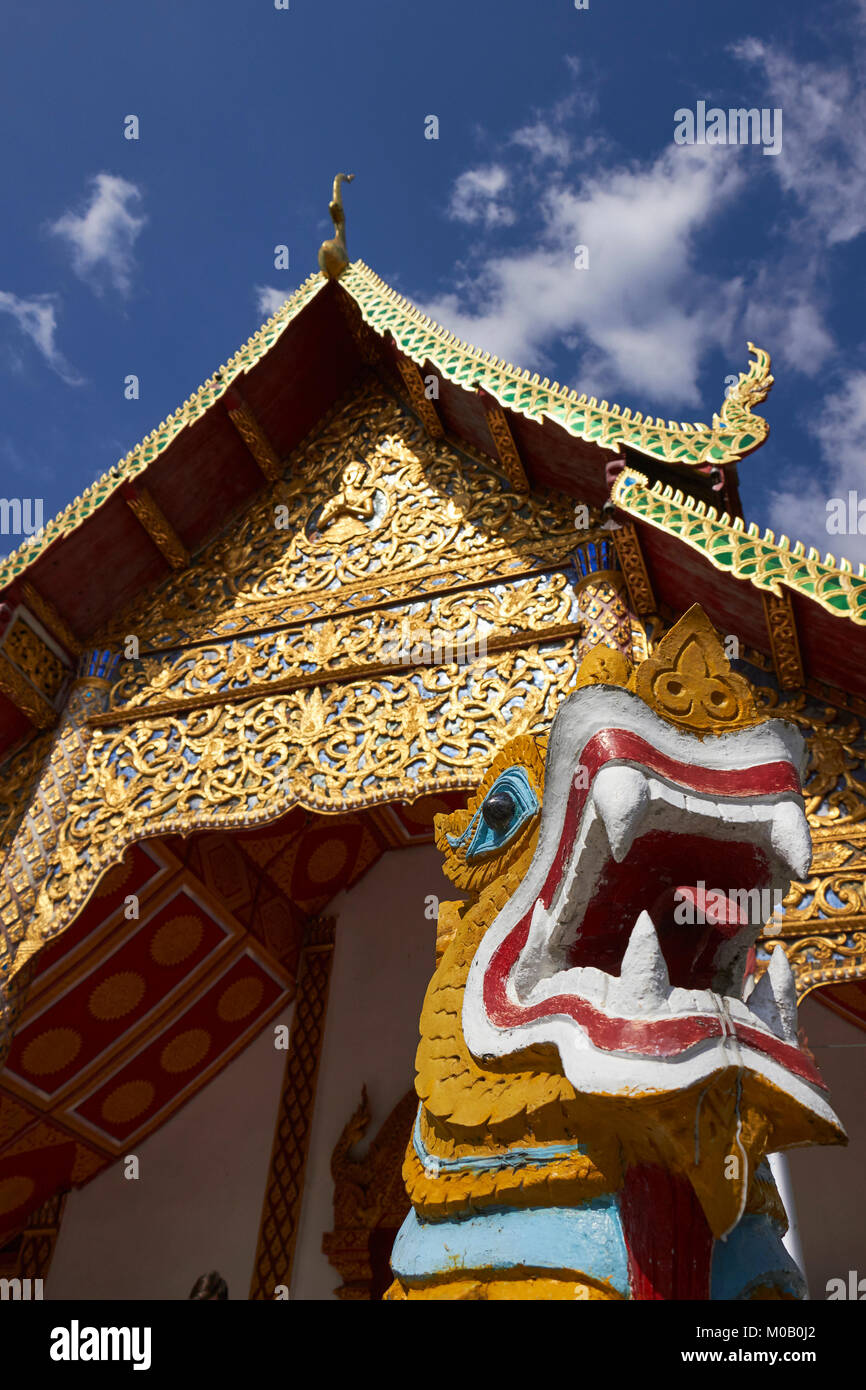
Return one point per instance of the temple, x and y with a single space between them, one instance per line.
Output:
386 682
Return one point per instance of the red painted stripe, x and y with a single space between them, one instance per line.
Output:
669 1243
658 1037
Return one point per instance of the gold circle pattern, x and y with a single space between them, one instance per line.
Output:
239 999
117 995
51 1051
127 1101
176 939
185 1051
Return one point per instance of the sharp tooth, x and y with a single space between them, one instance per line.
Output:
774 998
535 953
620 796
781 978
790 839
644 983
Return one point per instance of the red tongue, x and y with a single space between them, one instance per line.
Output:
715 909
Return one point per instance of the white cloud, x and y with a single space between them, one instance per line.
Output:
477 197
103 236
800 510
543 142
785 311
269 300
37 319
823 158
643 311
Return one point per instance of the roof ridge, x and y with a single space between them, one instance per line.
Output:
152 445
733 433
836 587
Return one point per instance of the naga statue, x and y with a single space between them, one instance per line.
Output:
599 1077
333 254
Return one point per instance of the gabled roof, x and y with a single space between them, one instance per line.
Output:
185 480
734 433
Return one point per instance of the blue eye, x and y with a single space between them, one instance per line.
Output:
506 808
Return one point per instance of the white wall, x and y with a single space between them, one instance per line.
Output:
197 1203
383 960
828 1182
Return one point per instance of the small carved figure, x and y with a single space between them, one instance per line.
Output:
333 255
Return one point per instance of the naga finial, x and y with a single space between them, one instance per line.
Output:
333 256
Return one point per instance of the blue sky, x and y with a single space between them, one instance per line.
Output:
556 129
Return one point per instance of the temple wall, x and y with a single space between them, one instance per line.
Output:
828 1182
197 1202
384 957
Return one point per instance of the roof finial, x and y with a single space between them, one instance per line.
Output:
333 256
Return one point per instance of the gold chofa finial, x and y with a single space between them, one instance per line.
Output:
333 256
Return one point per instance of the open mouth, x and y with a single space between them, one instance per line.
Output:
659 859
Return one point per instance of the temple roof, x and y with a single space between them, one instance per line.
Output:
183 483
733 434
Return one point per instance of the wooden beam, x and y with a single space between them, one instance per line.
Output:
628 548
421 402
503 440
784 642
43 609
152 520
245 422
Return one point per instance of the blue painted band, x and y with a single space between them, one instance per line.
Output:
587 1239
510 1158
752 1255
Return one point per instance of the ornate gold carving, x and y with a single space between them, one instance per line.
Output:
17 778
834 785
421 404
333 256
689 682
446 515
158 527
506 448
21 693
369 1193
465 627
354 499
37 843
823 926
784 642
49 617
285 1186
628 549
254 437
34 659
604 666
604 613
13 1001
263 703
